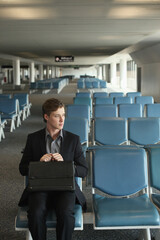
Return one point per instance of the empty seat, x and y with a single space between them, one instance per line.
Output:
81 111
100 94
144 100
119 100
107 110
144 131
133 95
84 100
154 167
130 110
103 100
78 126
83 94
116 94
153 110
110 131
119 173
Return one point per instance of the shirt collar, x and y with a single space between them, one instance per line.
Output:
60 134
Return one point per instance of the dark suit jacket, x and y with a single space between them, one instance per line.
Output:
70 150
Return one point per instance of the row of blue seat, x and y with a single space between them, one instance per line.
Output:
116 131
14 109
55 83
122 191
89 83
122 196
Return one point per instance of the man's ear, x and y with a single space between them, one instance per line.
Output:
46 117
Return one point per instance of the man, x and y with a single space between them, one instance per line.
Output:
53 144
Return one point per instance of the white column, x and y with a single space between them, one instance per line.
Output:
113 73
16 72
32 72
53 72
40 72
123 73
104 72
47 73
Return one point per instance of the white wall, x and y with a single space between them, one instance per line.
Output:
81 71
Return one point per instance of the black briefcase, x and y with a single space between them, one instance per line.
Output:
51 176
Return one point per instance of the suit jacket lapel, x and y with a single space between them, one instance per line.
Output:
42 141
62 148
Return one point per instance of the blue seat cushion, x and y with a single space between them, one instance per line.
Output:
137 211
156 199
22 220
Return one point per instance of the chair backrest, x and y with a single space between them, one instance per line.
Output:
100 94
95 84
154 166
78 126
106 110
119 100
82 111
144 130
103 100
84 100
130 110
153 110
120 170
8 106
23 98
144 100
83 94
110 131
116 94
133 95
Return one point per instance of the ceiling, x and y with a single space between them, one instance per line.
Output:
89 30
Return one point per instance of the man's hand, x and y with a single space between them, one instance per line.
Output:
51 157
46 158
57 157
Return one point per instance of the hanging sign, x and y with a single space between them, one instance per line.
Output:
64 59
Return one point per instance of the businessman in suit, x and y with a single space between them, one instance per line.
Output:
53 144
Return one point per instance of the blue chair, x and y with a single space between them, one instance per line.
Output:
119 190
8 111
83 94
21 220
119 100
96 84
80 111
143 131
78 126
130 110
116 94
103 84
154 168
80 84
144 100
110 131
153 110
103 100
100 94
88 84
106 110
84 101
133 95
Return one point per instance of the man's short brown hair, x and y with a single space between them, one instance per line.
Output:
51 105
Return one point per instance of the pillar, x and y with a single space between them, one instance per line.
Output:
113 73
123 73
41 72
32 72
16 72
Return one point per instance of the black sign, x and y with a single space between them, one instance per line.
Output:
64 59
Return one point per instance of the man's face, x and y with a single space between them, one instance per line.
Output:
55 120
